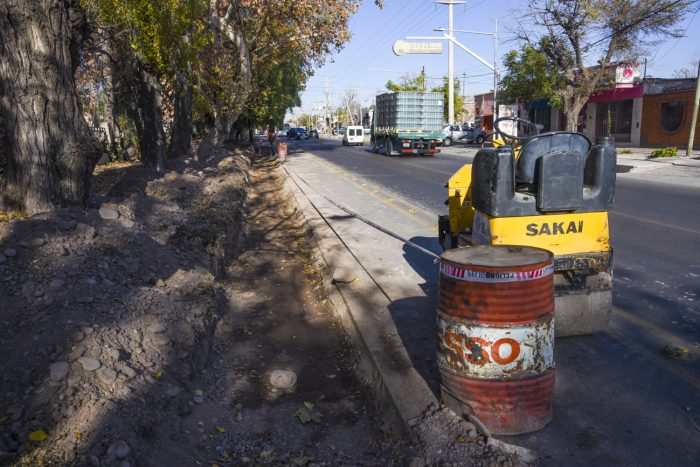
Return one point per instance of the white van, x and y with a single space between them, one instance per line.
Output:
354 135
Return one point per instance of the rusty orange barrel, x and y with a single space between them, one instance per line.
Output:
495 334
282 150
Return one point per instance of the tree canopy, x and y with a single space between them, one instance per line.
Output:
154 71
529 75
583 39
408 82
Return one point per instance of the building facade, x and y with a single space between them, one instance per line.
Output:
654 113
668 110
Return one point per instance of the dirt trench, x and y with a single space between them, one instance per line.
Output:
182 321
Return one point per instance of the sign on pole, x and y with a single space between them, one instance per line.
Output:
403 48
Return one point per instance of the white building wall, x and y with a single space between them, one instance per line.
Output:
590 121
636 136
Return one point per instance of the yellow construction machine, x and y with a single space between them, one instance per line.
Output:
553 191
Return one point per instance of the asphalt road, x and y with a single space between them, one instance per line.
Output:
621 397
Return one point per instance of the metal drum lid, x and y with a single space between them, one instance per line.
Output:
498 256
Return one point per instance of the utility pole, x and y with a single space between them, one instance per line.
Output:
463 112
327 111
495 74
450 58
693 121
448 35
450 67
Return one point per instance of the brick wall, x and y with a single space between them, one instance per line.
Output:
653 134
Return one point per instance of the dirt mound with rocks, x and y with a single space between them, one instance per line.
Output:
182 320
112 310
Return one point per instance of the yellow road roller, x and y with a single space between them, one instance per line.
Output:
549 190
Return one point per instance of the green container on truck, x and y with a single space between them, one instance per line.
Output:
407 123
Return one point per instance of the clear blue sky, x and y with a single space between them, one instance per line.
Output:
367 62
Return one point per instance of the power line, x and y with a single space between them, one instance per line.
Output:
675 42
421 20
360 48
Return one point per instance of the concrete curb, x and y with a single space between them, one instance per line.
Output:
642 160
384 362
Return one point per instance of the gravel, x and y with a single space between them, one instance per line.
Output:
58 370
89 364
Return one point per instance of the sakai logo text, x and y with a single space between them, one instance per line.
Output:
554 228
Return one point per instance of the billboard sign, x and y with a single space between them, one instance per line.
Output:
508 125
626 74
403 48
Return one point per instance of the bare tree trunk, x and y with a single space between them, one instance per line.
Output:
222 128
223 125
181 134
224 120
150 127
107 57
3 142
571 120
50 152
251 133
574 99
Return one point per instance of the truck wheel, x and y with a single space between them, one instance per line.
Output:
388 147
480 139
447 141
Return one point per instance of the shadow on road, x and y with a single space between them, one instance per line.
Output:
415 316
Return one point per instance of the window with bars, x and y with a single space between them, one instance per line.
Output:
672 115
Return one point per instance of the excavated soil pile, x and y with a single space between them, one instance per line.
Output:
137 333
183 321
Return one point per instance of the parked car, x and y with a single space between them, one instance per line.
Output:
472 135
296 133
462 134
342 130
367 130
312 134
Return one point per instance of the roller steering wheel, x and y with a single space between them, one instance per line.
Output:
513 140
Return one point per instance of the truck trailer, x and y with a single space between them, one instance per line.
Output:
407 123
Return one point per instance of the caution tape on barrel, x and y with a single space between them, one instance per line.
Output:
455 272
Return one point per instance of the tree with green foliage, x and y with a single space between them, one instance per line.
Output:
160 63
584 39
284 53
154 44
445 90
408 82
529 75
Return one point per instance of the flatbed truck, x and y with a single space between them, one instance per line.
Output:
407 123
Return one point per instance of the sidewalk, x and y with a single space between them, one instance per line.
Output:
639 158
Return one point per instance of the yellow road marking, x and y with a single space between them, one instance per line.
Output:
653 329
386 201
428 169
663 336
662 224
